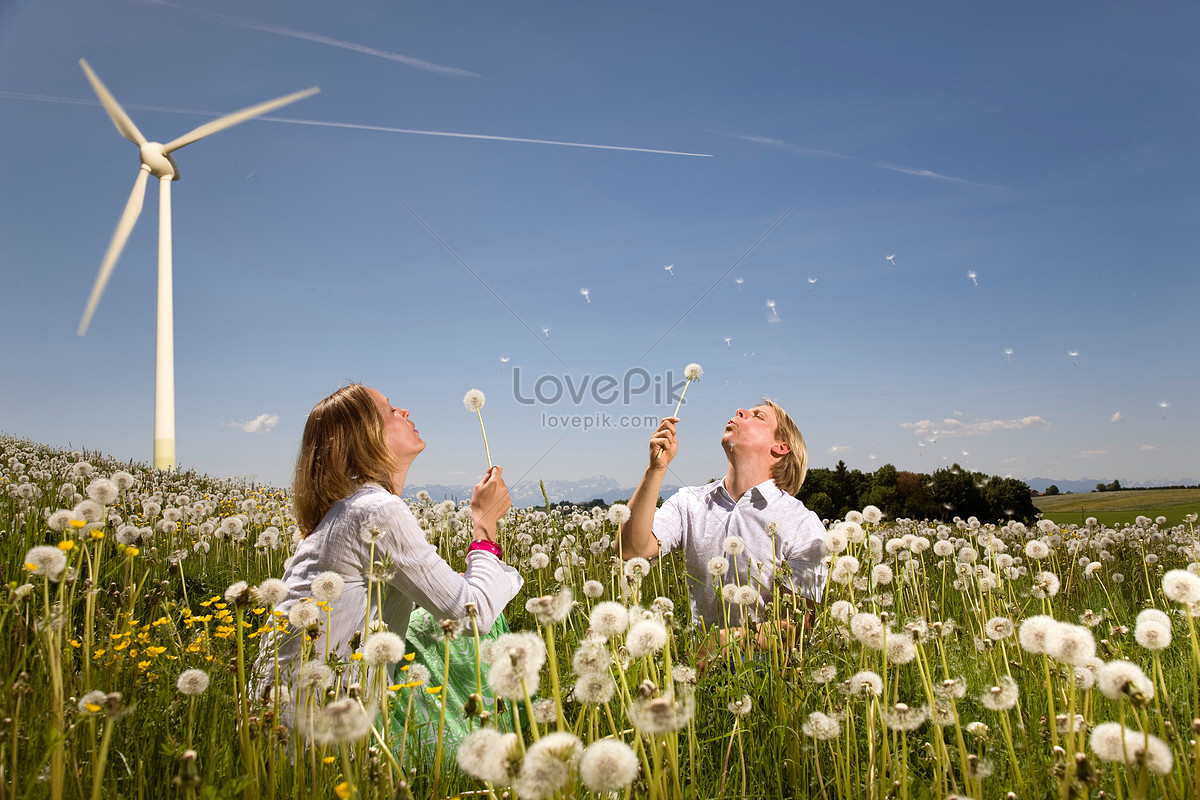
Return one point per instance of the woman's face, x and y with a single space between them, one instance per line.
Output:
403 438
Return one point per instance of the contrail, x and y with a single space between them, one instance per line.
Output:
807 151
45 98
317 38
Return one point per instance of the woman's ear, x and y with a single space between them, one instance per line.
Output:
780 449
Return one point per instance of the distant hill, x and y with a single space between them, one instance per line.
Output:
1089 484
529 493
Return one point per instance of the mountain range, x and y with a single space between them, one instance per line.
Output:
1089 484
529 493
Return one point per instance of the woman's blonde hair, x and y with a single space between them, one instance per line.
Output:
789 471
342 448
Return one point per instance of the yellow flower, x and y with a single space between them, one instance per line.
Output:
433 689
143 665
92 707
356 657
343 790
74 643
409 656
67 546
77 523
98 653
97 533
131 551
155 651
328 759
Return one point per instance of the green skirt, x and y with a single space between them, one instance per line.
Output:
421 709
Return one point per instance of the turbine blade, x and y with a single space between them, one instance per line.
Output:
119 117
124 227
229 120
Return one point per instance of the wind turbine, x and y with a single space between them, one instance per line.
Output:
157 161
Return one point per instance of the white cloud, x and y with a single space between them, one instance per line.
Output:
1148 447
260 424
1117 417
840 448
1091 453
979 427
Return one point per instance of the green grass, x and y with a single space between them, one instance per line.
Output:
1112 508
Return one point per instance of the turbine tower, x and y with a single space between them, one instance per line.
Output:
157 160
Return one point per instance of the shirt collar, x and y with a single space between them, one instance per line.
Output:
766 491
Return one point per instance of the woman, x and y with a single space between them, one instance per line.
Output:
354 457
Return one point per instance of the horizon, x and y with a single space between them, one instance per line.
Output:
948 234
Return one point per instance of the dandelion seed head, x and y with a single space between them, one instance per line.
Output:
594 688
473 401
313 677
192 682
609 619
46 561
1181 586
593 589
92 702
547 766
304 615
1033 632
821 726
693 372
742 707
618 513
271 592
328 586
340 722
383 648
1070 644
486 754
645 638
608 765
1001 697
1117 678
663 714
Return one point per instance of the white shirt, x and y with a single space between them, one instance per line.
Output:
419 575
701 518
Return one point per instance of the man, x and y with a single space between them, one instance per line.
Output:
769 540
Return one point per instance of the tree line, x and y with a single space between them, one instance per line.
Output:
947 493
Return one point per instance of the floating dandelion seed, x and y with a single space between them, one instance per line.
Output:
504 360
473 401
670 269
728 339
585 292
892 258
972 274
546 332
1074 354
739 281
1008 351
1117 417
1164 407
774 316
811 281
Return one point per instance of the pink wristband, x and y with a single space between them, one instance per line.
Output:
487 546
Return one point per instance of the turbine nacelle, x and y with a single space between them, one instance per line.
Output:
161 164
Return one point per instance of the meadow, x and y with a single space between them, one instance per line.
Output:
947 659
1112 508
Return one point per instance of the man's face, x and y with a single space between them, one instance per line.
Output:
753 430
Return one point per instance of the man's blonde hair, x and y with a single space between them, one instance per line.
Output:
790 469
342 448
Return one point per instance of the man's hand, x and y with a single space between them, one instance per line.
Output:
664 444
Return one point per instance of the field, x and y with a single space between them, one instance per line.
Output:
960 659
1114 508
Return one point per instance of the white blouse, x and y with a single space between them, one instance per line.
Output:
341 543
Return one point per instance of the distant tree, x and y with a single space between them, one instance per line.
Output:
821 505
912 496
1115 486
1100 487
1009 499
1051 489
955 490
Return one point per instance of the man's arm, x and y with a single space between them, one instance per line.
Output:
636 537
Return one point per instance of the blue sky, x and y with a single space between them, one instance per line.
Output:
1049 150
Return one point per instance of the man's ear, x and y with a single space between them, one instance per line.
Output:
780 449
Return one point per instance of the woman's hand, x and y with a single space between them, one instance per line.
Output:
489 502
